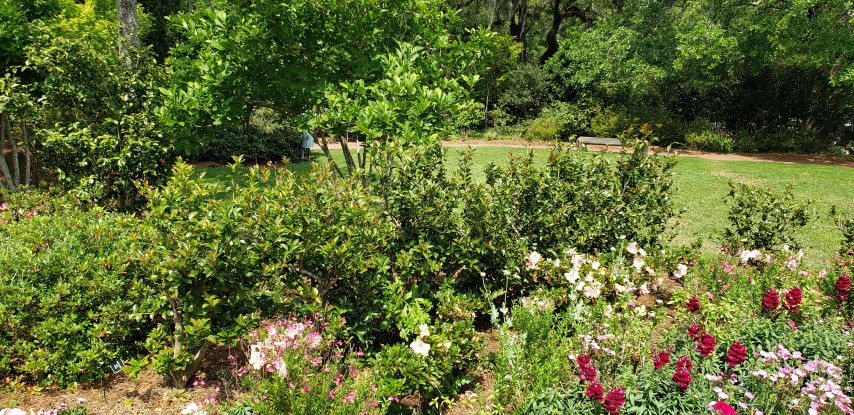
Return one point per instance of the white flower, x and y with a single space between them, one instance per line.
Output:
446 345
12 411
638 263
193 409
680 272
641 252
424 331
282 368
419 347
255 359
532 260
632 248
592 291
619 288
595 265
571 276
644 289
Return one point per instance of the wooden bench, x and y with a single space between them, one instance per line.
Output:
598 141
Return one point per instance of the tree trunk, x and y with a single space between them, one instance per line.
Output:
4 168
551 37
16 164
28 168
128 25
518 25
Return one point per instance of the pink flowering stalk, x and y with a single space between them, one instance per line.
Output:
792 301
736 354
661 359
693 305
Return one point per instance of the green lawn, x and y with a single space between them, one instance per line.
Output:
701 185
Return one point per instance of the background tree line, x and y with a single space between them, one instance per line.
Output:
100 105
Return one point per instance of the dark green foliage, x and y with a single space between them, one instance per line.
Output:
255 144
70 290
453 225
762 219
587 202
524 91
96 126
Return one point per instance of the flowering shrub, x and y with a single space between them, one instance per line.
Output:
296 366
762 219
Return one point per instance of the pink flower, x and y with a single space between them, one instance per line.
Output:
770 301
843 288
736 354
632 248
349 398
793 299
694 330
724 408
532 260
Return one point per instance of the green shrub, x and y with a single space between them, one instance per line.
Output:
563 204
71 285
499 117
709 141
762 219
845 225
559 121
269 244
107 167
255 144
471 115
524 90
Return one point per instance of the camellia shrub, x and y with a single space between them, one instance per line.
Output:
269 244
762 218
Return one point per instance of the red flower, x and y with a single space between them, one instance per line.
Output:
694 330
684 363
614 400
585 369
843 288
693 305
706 345
736 354
793 299
770 301
660 359
724 408
682 377
595 391
587 372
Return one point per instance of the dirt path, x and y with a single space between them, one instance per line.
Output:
761 157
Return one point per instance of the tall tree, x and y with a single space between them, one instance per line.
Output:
128 25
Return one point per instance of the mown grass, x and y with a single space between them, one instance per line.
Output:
701 186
